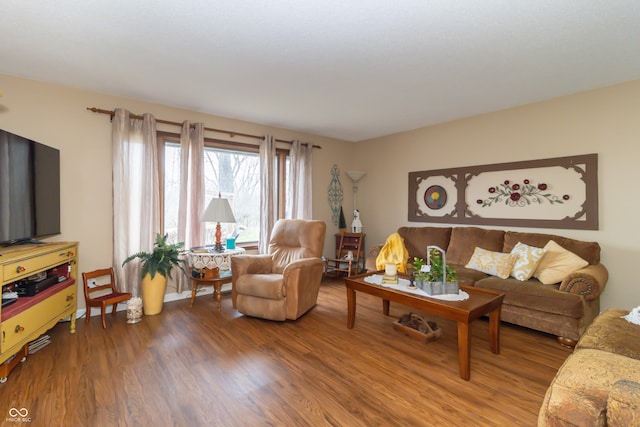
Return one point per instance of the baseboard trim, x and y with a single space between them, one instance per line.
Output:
175 296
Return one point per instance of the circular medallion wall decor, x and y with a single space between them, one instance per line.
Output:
435 197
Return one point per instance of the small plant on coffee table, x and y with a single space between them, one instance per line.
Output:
417 267
436 273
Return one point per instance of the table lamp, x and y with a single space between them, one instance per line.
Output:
218 211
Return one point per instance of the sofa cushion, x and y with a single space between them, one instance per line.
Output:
464 240
589 251
528 258
579 392
533 295
493 263
610 332
416 239
557 263
467 276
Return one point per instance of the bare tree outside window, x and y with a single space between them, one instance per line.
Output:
235 176
232 173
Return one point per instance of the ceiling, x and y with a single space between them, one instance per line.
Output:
351 70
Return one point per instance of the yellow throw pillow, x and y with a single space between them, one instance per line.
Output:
493 263
557 263
527 260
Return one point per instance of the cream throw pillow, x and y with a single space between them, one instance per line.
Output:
527 260
493 263
557 263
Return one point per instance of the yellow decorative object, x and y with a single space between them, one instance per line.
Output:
494 263
528 259
153 293
30 317
393 252
557 263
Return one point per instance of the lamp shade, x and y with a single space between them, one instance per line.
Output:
356 175
218 210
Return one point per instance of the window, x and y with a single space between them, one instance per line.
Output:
231 170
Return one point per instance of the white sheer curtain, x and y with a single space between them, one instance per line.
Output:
299 189
190 228
136 195
267 191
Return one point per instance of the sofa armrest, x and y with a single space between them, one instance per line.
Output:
589 281
623 403
370 262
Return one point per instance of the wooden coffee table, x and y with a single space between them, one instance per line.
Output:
480 302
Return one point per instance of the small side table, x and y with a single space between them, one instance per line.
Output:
214 269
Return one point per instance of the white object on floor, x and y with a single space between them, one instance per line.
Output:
403 285
633 316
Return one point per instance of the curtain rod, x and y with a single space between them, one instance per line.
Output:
167 122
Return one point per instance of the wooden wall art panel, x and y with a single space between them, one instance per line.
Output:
549 193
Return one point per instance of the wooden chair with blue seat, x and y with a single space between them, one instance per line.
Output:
103 295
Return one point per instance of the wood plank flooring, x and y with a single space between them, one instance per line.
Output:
201 367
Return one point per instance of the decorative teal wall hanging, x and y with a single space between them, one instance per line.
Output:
336 195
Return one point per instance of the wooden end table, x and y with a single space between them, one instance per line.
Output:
216 281
214 268
480 302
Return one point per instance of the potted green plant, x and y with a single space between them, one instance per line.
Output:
155 269
419 275
431 281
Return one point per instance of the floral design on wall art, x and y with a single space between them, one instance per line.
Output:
560 192
520 195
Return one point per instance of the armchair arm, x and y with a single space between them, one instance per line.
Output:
589 281
250 264
623 403
301 281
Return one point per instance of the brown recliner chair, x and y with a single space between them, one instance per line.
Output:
283 284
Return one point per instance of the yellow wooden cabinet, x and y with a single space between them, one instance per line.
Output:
30 317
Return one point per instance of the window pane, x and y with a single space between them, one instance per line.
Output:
235 175
171 189
230 172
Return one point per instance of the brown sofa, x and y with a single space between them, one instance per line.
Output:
563 309
599 384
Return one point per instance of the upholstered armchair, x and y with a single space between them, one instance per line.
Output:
284 283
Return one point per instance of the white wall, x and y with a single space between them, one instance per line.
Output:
57 116
604 121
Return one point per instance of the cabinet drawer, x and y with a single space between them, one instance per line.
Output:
29 266
21 326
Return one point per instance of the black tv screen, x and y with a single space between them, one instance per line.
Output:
29 189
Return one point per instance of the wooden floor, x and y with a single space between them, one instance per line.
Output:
193 367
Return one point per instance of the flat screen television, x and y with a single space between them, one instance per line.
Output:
29 190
